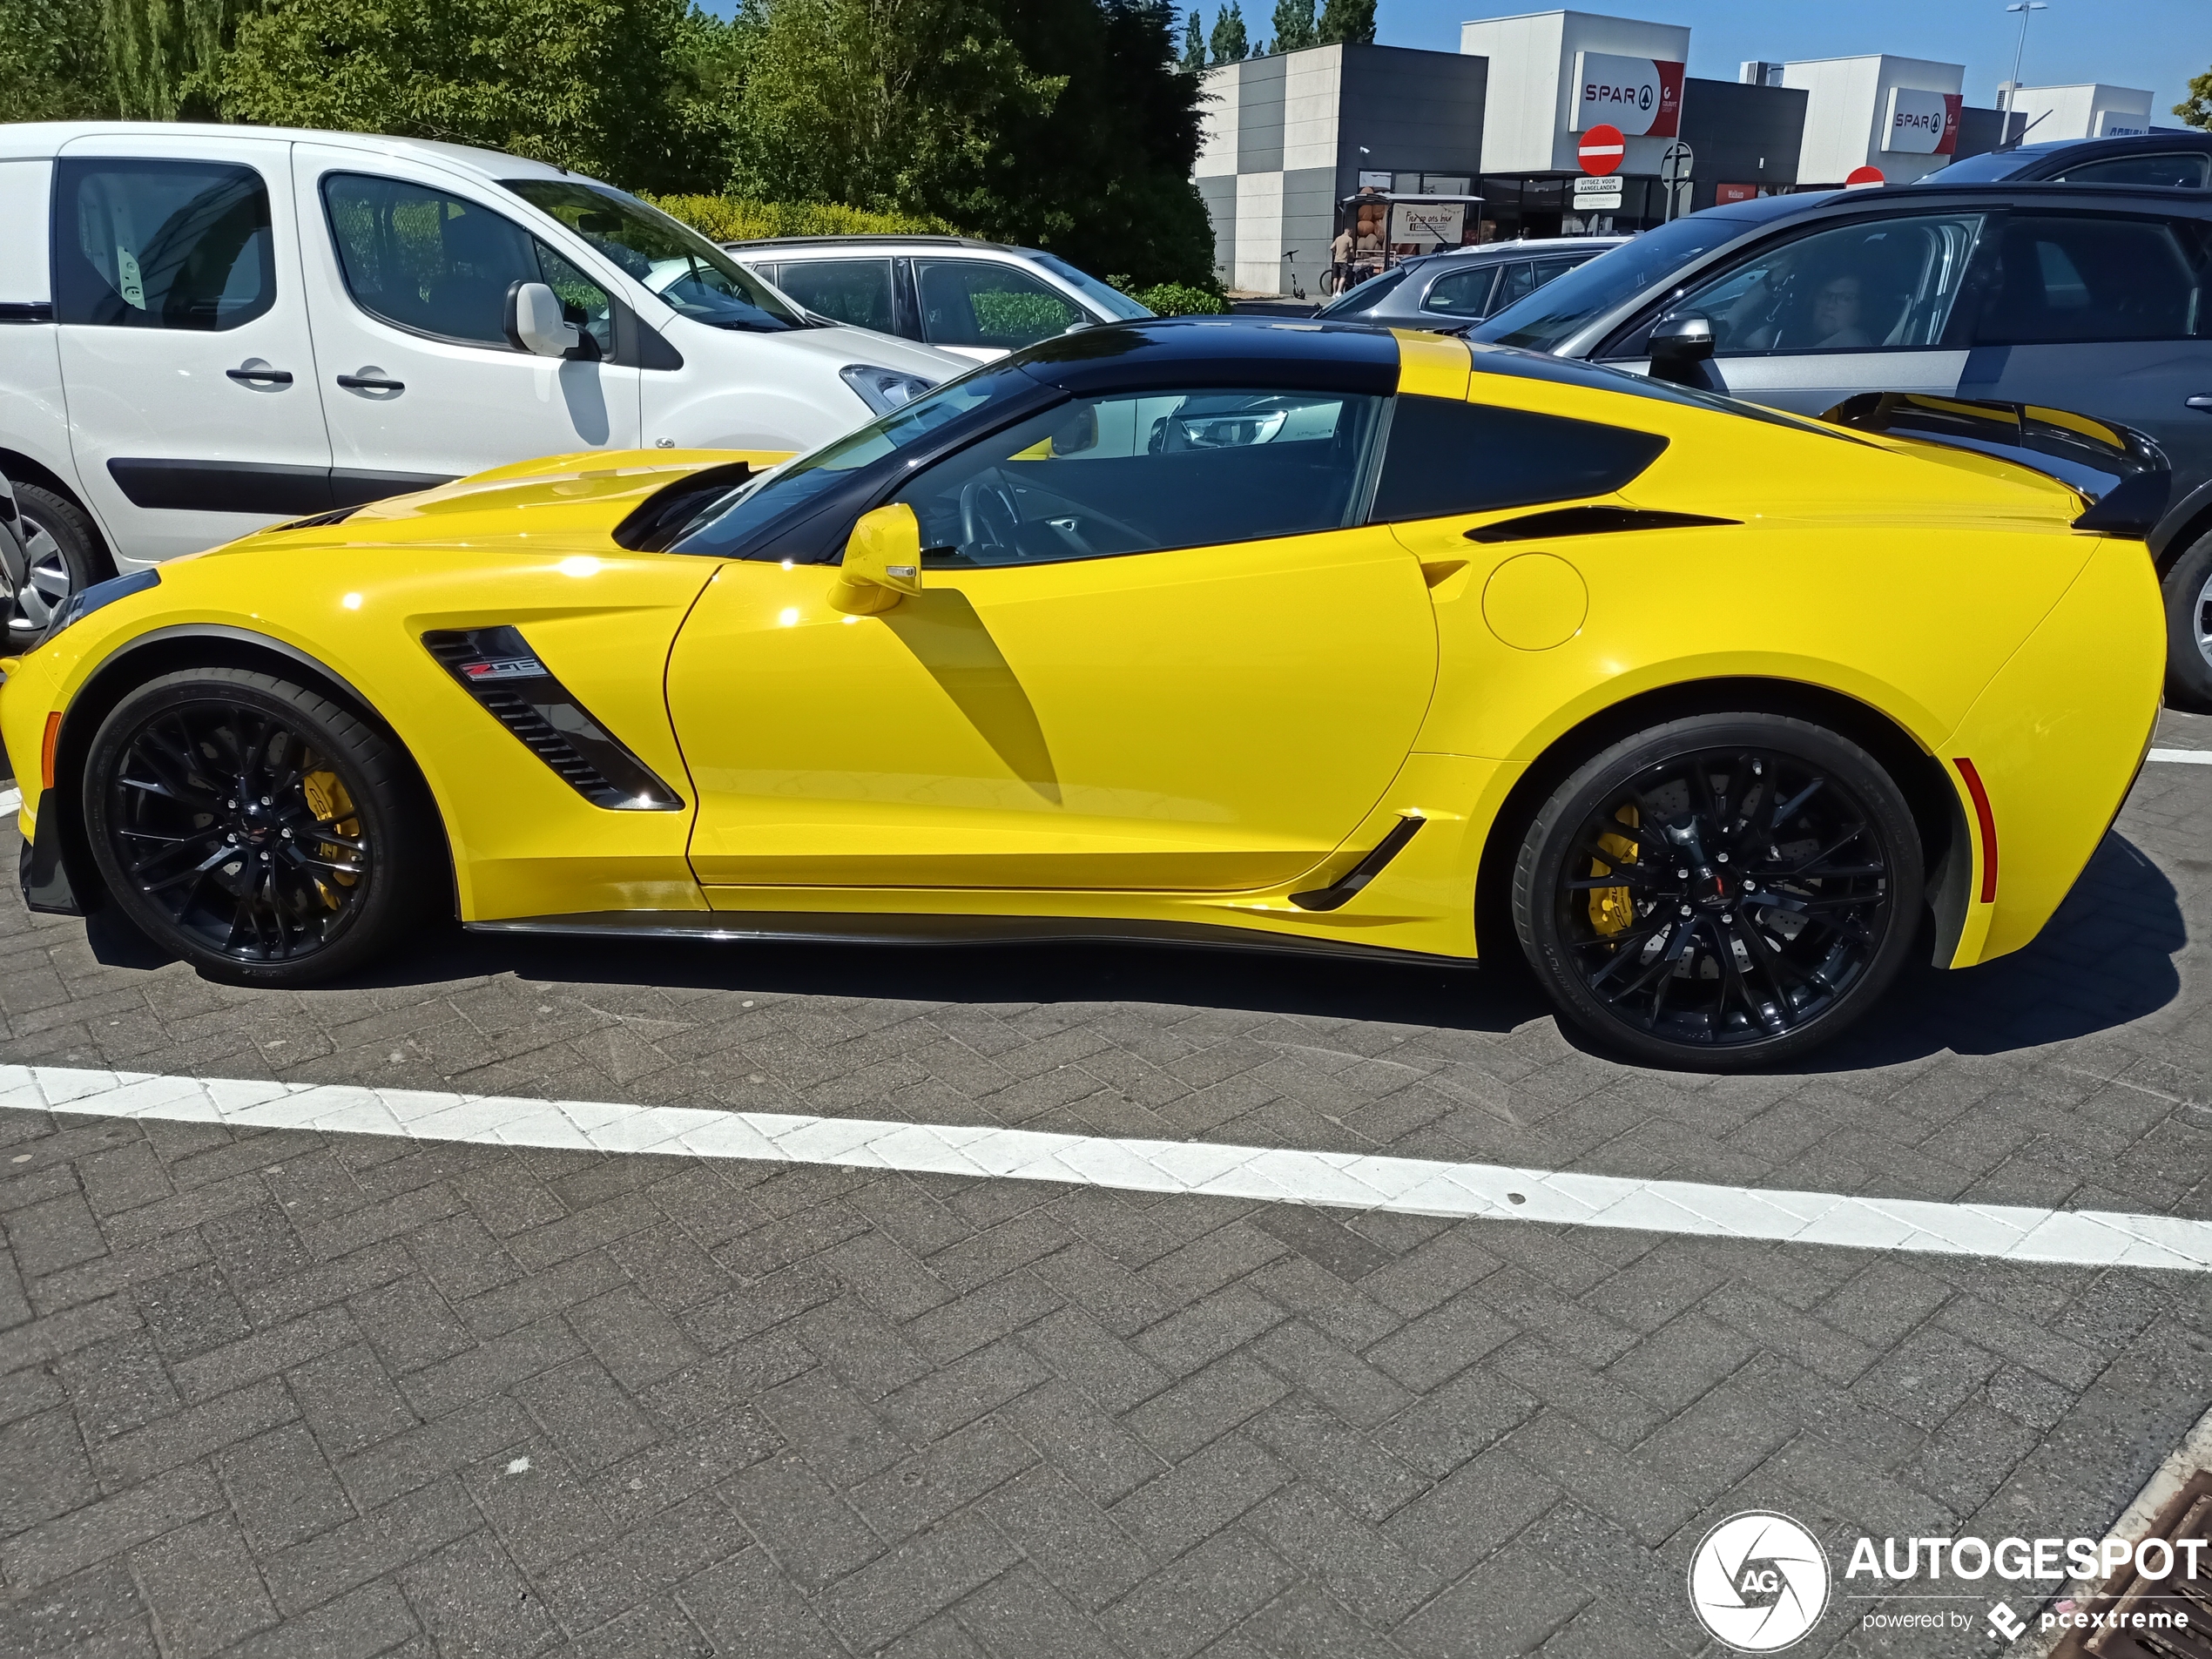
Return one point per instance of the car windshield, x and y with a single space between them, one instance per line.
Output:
1366 296
1556 310
1111 301
670 258
732 518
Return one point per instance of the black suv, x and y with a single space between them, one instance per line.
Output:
2092 298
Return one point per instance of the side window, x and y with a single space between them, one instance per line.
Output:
1461 293
973 303
1137 473
1885 284
437 265
2185 170
1515 281
1547 270
161 244
1447 457
854 290
2068 277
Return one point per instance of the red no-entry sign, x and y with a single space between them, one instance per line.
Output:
1602 150
1860 178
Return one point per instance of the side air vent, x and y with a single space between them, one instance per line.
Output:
497 667
1587 520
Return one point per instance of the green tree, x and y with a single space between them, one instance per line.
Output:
607 87
53 60
1228 42
1294 26
2196 109
1193 61
1350 21
162 56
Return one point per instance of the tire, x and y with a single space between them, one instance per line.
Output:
2188 587
1829 936
347 863
65 555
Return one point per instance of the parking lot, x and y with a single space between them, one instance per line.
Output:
294 1392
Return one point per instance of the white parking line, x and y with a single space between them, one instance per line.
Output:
1345 1180
10 800
2184 756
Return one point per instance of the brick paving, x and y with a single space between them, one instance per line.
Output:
292 1394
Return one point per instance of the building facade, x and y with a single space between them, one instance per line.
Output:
2090 110
1287 137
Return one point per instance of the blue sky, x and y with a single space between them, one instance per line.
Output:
2158 44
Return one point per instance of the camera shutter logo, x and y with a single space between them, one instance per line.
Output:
1758 1582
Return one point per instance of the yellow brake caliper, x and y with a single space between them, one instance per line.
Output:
329 801
1611 909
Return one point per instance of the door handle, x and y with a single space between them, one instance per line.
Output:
263 376
2200 402
368 383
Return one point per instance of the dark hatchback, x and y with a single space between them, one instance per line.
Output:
2091 298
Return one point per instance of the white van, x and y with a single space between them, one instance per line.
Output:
205 329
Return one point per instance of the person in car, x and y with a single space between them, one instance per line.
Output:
1836 308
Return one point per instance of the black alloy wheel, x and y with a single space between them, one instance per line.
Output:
1720 892
254 827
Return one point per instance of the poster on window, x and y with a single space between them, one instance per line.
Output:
1641 96
1922 124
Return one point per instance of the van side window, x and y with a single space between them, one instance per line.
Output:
161 244
434 264
1446 456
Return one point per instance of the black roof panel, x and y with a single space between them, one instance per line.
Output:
1217 351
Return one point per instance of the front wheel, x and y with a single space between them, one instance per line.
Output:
1720 892
64 556
254 827
2188 588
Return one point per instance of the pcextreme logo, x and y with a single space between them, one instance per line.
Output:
1758 1581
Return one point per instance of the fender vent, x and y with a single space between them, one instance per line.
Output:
497 667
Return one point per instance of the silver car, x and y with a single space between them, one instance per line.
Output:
1452 289
979 300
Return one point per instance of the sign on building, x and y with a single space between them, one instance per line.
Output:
1427 222
1592 194
1640 96
1922 123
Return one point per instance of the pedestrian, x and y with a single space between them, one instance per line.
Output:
1340 261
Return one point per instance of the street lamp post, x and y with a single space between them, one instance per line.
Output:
2013 91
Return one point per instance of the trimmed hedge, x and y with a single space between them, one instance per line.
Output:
1175 300
731 219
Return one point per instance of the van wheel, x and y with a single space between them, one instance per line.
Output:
1720 892
255 829
64 556
2188 627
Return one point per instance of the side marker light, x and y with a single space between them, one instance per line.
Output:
47 747
1987 821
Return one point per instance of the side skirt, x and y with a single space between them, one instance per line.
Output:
769 926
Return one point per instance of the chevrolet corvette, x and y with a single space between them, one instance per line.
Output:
1307 638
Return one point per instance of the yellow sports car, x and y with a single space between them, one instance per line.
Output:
1301 636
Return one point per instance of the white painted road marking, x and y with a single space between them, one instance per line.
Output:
2184 756
10 800
1344 1180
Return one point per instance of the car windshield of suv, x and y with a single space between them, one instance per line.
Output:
1557 309
733 518
1111 301
670 258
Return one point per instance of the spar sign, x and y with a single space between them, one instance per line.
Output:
1640 96
1922 123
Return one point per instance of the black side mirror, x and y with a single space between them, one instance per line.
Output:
1680 346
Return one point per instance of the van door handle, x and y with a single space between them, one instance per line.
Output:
369 383
262 376
2200 402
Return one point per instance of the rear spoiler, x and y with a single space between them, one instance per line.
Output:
2124 475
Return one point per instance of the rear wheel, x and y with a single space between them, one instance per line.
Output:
1720 892
2188 626
64 557
254 827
